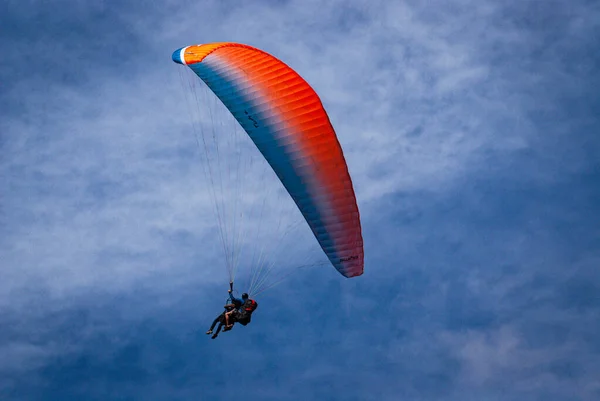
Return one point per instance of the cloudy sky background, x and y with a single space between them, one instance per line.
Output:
471 130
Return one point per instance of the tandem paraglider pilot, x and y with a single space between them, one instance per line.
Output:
238 311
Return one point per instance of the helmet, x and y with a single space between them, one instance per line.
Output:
244 296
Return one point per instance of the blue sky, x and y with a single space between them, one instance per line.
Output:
471 131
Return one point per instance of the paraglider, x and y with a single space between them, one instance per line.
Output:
243 314
286 121
238 311
222 320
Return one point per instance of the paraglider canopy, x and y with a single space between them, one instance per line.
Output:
285 119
